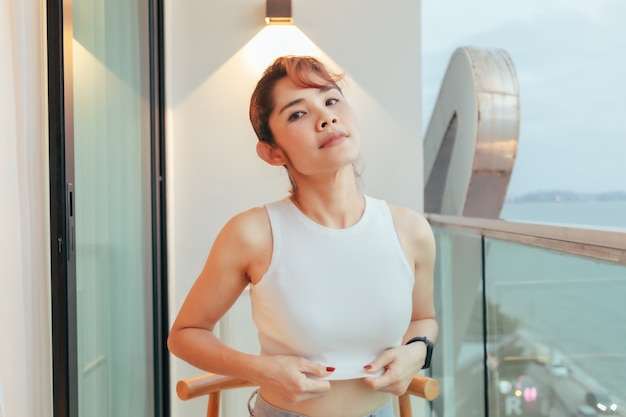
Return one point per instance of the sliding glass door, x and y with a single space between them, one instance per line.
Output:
113 181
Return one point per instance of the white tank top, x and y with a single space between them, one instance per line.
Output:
338 297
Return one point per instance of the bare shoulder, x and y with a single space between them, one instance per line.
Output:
238 249
249 224
248 237
410 222
414 231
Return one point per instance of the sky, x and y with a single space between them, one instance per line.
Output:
570 60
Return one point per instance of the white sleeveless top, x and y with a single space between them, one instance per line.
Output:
338 297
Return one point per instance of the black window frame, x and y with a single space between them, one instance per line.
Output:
61 177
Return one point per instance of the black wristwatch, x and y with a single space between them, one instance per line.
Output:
429 349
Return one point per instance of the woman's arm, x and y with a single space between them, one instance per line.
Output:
403 362
422 244
240 255
240 245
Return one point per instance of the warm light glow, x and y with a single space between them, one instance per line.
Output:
275 41
279 20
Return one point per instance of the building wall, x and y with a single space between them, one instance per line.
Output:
214 55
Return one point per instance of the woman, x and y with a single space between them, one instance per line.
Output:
339 281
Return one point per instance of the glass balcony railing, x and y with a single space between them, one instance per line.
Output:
532 320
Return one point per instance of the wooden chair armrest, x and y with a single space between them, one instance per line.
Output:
424 387
208 384
420 386
213 384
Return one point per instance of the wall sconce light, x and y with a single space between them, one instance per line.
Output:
278 12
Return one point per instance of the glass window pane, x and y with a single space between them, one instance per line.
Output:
113 208
458 360
555 325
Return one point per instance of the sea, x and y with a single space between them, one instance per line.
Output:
605 215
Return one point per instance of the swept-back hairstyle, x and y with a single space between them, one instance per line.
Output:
303 71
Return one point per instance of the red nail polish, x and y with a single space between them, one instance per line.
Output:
329 369
367 367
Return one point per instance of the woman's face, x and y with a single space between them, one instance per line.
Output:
315 128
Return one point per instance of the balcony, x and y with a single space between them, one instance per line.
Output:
531 319
531 316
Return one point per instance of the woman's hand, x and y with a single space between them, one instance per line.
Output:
294 377
399 364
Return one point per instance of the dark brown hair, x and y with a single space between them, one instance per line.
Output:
303 71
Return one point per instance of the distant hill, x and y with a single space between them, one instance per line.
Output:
567 196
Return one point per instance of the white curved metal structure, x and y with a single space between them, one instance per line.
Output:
471 140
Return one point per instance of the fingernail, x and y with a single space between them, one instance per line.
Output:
329 369
367 367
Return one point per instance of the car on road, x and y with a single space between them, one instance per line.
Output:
557 367
601 401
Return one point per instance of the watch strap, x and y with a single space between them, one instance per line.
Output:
429 349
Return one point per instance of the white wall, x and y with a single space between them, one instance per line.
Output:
212 168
